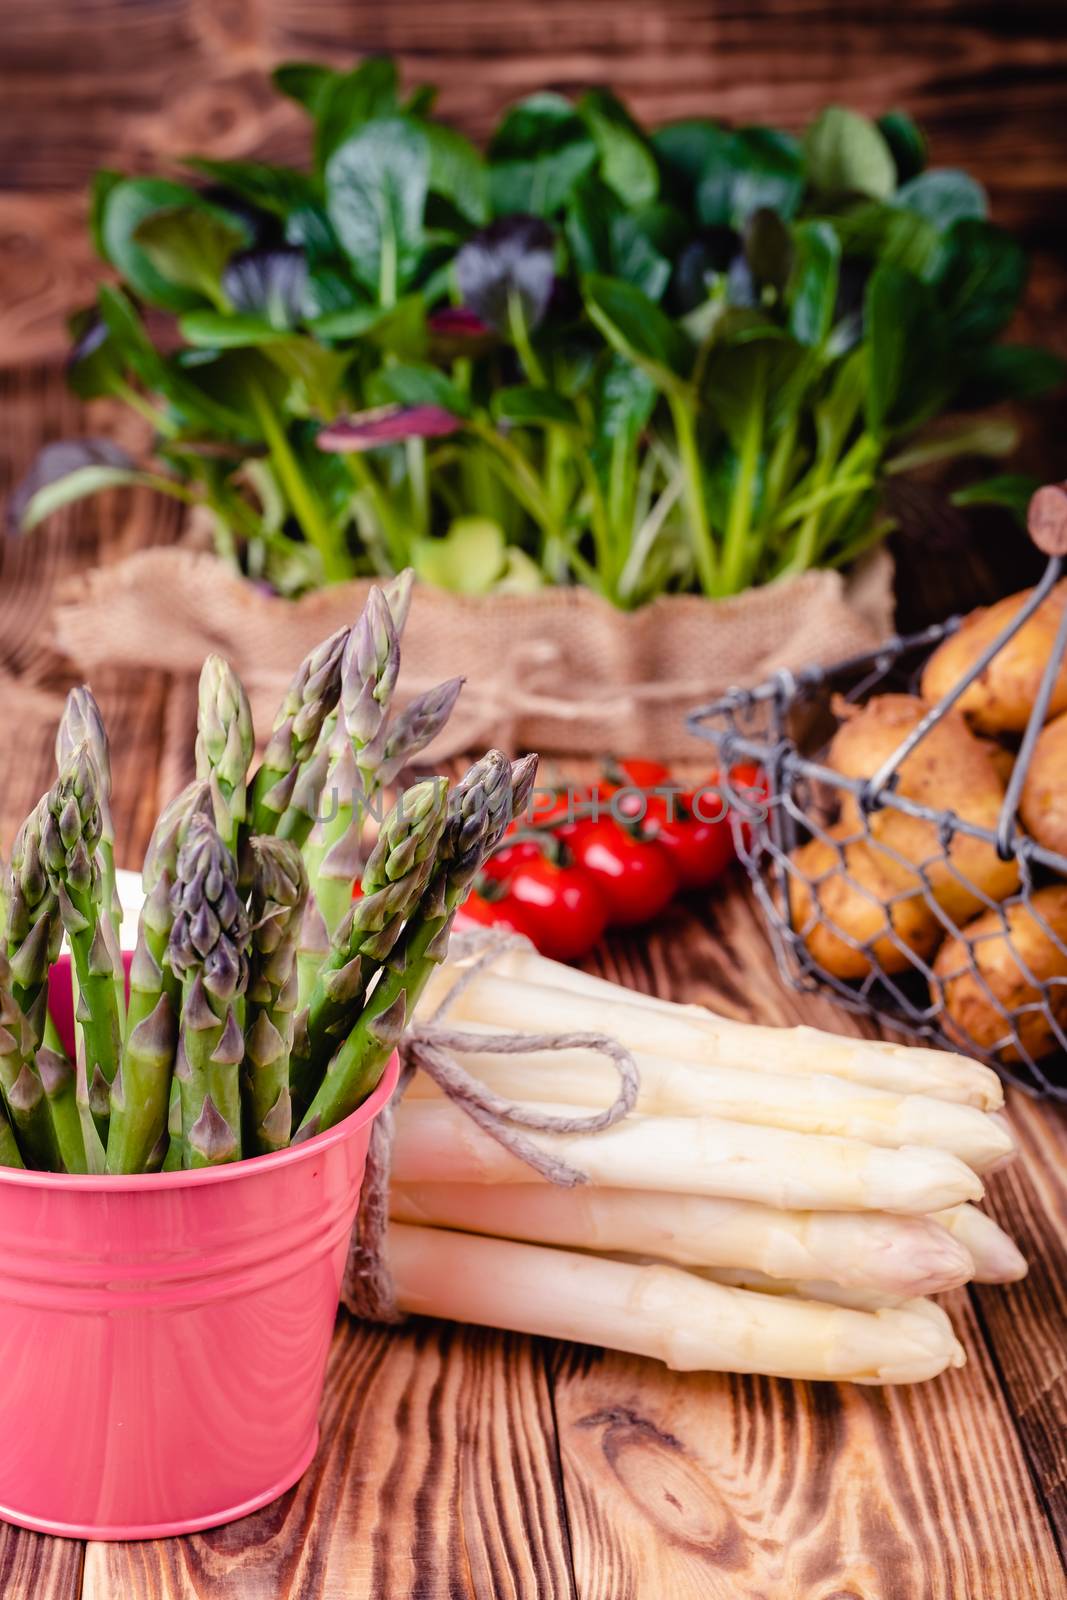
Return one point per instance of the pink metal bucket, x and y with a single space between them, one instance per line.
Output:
164 1339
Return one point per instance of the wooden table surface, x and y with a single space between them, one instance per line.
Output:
460 1463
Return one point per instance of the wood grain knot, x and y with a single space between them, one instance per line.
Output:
622 1417
672 1490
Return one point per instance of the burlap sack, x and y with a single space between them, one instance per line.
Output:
560 671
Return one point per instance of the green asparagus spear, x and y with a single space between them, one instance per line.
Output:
309 700
313 946
369 670
21 1089
138 1136
170 830
150 973
209 952
377 765
59 1083
366 752
174 1160
394 881
398 597
10 1156
70 835
279 890
34 931
415 727
83 724
225 744
482 806
140 1094
299 817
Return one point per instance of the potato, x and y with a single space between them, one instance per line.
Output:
972 1017
950 770
1001 699
832 906
1001 755
1043 802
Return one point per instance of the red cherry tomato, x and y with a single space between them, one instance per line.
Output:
478 911
746 779
701 851
503 862
636 878
561 907
556 813
749 780
638 772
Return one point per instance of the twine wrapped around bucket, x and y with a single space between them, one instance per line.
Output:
367 1290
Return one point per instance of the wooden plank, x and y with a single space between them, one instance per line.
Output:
711 1486
33 1566
436 1479
704 1487
134 714
150 85
138 87
38 408
1025 1324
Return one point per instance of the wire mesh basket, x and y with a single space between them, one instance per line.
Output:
951 930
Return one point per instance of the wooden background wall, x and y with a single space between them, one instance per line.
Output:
135 83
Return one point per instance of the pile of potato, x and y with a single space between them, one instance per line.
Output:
890 892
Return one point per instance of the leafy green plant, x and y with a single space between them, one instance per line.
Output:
643 362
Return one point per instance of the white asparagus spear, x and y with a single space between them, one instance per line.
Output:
659 1311
997 1258
834 1294
899 1257
816 1104
437 1142
689 1033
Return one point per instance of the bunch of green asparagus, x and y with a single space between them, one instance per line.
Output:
264 1000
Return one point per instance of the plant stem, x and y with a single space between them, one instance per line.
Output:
363 476
736 562
778 465
415 450
520 477
696 503
520 337
606 554
836 481
309 514
136 401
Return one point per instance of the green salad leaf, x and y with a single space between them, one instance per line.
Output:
644 360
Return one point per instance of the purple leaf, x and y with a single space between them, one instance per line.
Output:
271 283
458 322
90 332
513 260
457 331
57 461
368 430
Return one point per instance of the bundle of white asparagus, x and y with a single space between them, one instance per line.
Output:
781 1201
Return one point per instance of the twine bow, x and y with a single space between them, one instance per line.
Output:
368 1287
